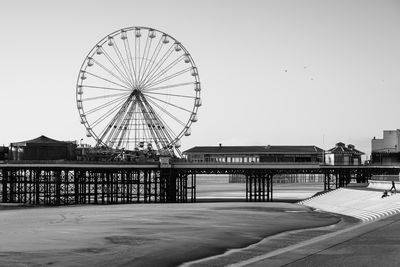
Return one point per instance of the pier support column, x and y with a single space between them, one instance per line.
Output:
57 195
169 180
337 180
76 187
4 181
327 181
271 187
258 187
247 187
269 178
11 184
192 187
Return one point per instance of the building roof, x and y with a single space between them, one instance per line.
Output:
341 148
254 150
41 140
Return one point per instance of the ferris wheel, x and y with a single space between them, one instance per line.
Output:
138 88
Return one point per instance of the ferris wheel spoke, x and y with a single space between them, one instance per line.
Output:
140 131
107 80
168 113
168 103
107 88
147 132
150 89
111 125
153 58
106 114
132 120
127 122
123 135
172 135
131 59
120 127
162 127
104 96
149 122
146 48
118 116
137 53
104 105
183 96
157 66
135 128
145 55
122 80
169 132
123 63
157 126
158 73
116 67
170 77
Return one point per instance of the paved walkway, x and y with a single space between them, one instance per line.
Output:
366 205
372 240
369 244
274 245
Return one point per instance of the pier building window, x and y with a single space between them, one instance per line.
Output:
221 159
254 159
197 158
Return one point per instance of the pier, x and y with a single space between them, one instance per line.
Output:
79 183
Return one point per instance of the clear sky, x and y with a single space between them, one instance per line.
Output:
272 72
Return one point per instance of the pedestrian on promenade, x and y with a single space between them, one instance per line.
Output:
385 194
393 187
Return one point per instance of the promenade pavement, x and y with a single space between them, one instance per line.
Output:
374 242
366 205
366 236
368 244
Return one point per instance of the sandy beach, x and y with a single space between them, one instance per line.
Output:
152 234
142 234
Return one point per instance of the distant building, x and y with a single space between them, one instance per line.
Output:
260 154
255 154
3 153
386 151
42 148
342 155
